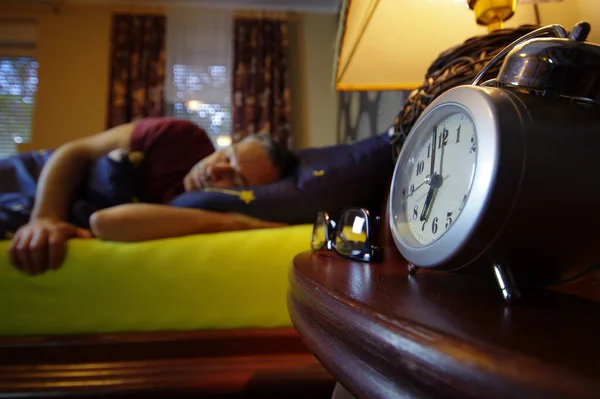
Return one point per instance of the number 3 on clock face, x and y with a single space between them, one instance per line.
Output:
434 183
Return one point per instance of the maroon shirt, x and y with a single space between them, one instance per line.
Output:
170 148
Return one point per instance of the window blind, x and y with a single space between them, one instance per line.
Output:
199 47
18 85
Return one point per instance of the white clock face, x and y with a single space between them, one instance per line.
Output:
438 178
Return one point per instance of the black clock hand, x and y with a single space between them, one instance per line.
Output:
433 143
428 201
442 156
432 188
435 182
424 195
430 177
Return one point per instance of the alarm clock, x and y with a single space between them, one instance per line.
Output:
505 176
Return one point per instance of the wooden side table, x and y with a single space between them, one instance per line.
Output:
383 333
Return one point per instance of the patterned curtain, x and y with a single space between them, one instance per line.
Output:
261 98
137 68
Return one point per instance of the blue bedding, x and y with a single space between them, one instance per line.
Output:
18 181
108 183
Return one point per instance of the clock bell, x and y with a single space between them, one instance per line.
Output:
566 66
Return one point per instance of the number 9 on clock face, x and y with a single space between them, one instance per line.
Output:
434 175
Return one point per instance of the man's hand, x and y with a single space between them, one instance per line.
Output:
41 245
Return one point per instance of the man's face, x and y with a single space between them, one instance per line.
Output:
243 164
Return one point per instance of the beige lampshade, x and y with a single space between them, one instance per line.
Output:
390 44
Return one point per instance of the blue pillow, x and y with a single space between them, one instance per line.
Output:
20 173
328 179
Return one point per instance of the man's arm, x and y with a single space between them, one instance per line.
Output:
65 168
41 243
141 222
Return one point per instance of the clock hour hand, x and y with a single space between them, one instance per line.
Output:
433 178
435 182
427 205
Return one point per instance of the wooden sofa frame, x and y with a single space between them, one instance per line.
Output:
217 363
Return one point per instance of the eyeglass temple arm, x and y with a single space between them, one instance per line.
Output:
374 246
331 225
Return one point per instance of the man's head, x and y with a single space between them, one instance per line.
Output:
254 161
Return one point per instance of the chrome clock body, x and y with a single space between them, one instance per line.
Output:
531 183
535 190
478 105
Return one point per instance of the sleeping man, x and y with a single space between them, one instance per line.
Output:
175 156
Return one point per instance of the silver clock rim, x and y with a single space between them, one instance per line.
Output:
473 101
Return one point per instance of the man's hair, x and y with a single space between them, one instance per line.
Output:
284 160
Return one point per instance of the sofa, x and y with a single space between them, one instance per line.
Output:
198 314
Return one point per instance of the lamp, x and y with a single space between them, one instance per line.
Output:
390 44
493 13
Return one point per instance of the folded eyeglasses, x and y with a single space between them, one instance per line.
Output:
354 237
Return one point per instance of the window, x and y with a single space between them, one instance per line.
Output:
199 56
18 85
213 116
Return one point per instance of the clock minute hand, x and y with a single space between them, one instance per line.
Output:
442 155
416 188
433 151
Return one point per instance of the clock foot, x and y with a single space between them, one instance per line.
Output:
412 268
507 284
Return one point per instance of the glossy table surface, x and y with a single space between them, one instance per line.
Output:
385 333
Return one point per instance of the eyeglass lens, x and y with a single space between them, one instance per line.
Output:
319 237
351 237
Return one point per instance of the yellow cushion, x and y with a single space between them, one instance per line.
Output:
210 281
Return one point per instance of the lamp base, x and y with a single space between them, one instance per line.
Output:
493 13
